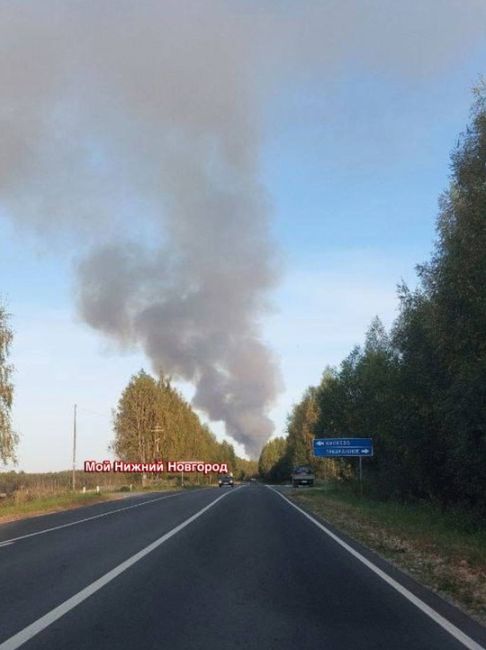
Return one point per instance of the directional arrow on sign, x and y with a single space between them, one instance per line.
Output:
333 447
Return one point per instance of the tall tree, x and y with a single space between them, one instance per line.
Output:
271 455
300 429
153 421
8 438
135 419
455 284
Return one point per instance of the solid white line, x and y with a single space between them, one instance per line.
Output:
44 621
82 521
5 544
435 616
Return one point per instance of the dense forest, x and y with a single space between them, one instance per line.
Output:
418 390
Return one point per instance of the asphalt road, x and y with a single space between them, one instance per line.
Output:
208 569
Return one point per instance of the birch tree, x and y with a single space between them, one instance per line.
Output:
8 438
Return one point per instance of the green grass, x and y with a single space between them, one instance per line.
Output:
11 510
25 506
455 531
444 550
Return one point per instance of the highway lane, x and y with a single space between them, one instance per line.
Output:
243 570
38 572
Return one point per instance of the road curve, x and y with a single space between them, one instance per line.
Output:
237 568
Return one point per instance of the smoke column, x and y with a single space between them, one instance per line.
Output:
133 135
130 137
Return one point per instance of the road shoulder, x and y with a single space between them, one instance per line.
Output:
450 611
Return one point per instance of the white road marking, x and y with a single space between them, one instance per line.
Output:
5 544
82 521
435 616
44 621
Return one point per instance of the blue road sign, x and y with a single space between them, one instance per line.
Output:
333 447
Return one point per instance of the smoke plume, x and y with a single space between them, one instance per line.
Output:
130 136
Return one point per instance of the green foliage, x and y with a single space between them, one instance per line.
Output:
271 456
420 391
245 469
454 305
8 439
153 421
300 429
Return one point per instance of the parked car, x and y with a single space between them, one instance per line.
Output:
302 475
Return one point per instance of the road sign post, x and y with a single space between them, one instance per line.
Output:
361 475
344 447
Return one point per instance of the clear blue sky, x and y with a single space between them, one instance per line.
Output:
353 170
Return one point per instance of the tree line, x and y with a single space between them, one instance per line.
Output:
153 421
419 390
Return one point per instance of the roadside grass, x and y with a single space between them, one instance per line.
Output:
10 509
444 550
27 503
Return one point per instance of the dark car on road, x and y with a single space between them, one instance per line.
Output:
225 479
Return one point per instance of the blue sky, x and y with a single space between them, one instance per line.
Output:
353 171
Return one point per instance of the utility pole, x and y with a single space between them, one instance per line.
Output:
74 447
156 445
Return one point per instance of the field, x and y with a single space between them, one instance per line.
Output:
24 495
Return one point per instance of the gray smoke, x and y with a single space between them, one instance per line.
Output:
130 136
